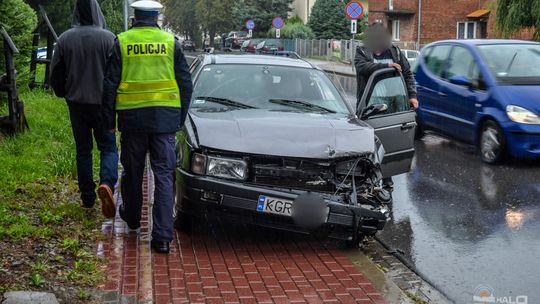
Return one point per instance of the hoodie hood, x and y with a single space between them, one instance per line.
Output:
88 12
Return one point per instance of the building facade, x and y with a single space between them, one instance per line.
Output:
438 19
302 8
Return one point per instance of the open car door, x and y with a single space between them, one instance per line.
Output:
395 123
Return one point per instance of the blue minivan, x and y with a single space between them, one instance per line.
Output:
483 92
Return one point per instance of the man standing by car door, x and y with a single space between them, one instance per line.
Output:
78 66
379 53
148 84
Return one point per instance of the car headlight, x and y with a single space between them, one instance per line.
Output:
522 115
226 168
218 166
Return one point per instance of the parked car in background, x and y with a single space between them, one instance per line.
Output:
235 40
270 46
250 46
285 150
290 54
411 56
41 53
188 45
483 92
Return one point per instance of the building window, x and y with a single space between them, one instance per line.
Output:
391 5
395 30
466 30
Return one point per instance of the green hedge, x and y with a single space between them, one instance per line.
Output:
19 20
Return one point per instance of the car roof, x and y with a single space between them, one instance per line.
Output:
256 59
474 42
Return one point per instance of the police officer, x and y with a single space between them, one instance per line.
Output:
148 84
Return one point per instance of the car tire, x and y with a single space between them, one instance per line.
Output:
492 143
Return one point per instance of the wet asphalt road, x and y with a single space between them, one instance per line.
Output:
463 223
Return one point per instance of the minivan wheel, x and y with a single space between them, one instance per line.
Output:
492 143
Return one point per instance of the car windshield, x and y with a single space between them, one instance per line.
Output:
277 88
513 63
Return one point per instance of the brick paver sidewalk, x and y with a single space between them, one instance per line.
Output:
218 264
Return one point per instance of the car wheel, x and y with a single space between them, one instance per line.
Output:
182 221
492 143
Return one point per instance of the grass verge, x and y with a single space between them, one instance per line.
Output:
47 241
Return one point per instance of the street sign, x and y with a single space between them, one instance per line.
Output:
250 25
278 23
354 25
354 10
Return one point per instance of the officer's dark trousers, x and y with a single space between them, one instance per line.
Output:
86 119
162 159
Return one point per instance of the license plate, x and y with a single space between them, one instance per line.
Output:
268 204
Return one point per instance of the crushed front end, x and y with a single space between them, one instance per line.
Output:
341 196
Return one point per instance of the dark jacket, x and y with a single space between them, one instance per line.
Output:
80 56
365 66
151 119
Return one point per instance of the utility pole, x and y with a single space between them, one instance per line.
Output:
126 15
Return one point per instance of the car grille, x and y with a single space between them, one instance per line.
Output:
292 173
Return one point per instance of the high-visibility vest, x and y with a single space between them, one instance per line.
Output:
148 78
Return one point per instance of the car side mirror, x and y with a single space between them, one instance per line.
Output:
373 109
460 80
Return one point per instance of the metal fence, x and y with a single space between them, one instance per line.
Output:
327 49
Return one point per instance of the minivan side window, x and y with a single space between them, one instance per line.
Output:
435 60
462 63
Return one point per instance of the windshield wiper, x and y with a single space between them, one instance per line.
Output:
225 102
300 104
510 63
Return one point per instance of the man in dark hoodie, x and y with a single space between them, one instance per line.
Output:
77 73
379 53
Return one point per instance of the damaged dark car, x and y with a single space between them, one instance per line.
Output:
270 141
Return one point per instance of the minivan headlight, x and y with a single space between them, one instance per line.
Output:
522 115
226 168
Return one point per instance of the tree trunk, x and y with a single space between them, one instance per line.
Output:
212 35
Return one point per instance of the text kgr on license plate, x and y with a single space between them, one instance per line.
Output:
268 204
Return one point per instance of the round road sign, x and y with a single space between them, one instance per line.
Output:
250 24
278 22
354 10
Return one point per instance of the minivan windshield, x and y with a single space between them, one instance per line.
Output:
279 88
513 63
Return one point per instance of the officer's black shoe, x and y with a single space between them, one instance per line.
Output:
133 228
160 247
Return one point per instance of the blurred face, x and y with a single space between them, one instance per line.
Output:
378 39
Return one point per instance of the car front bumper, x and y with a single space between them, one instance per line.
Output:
237 201
523 140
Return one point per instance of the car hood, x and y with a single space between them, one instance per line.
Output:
525 96
278 133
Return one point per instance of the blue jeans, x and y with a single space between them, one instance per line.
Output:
162 148
85 120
